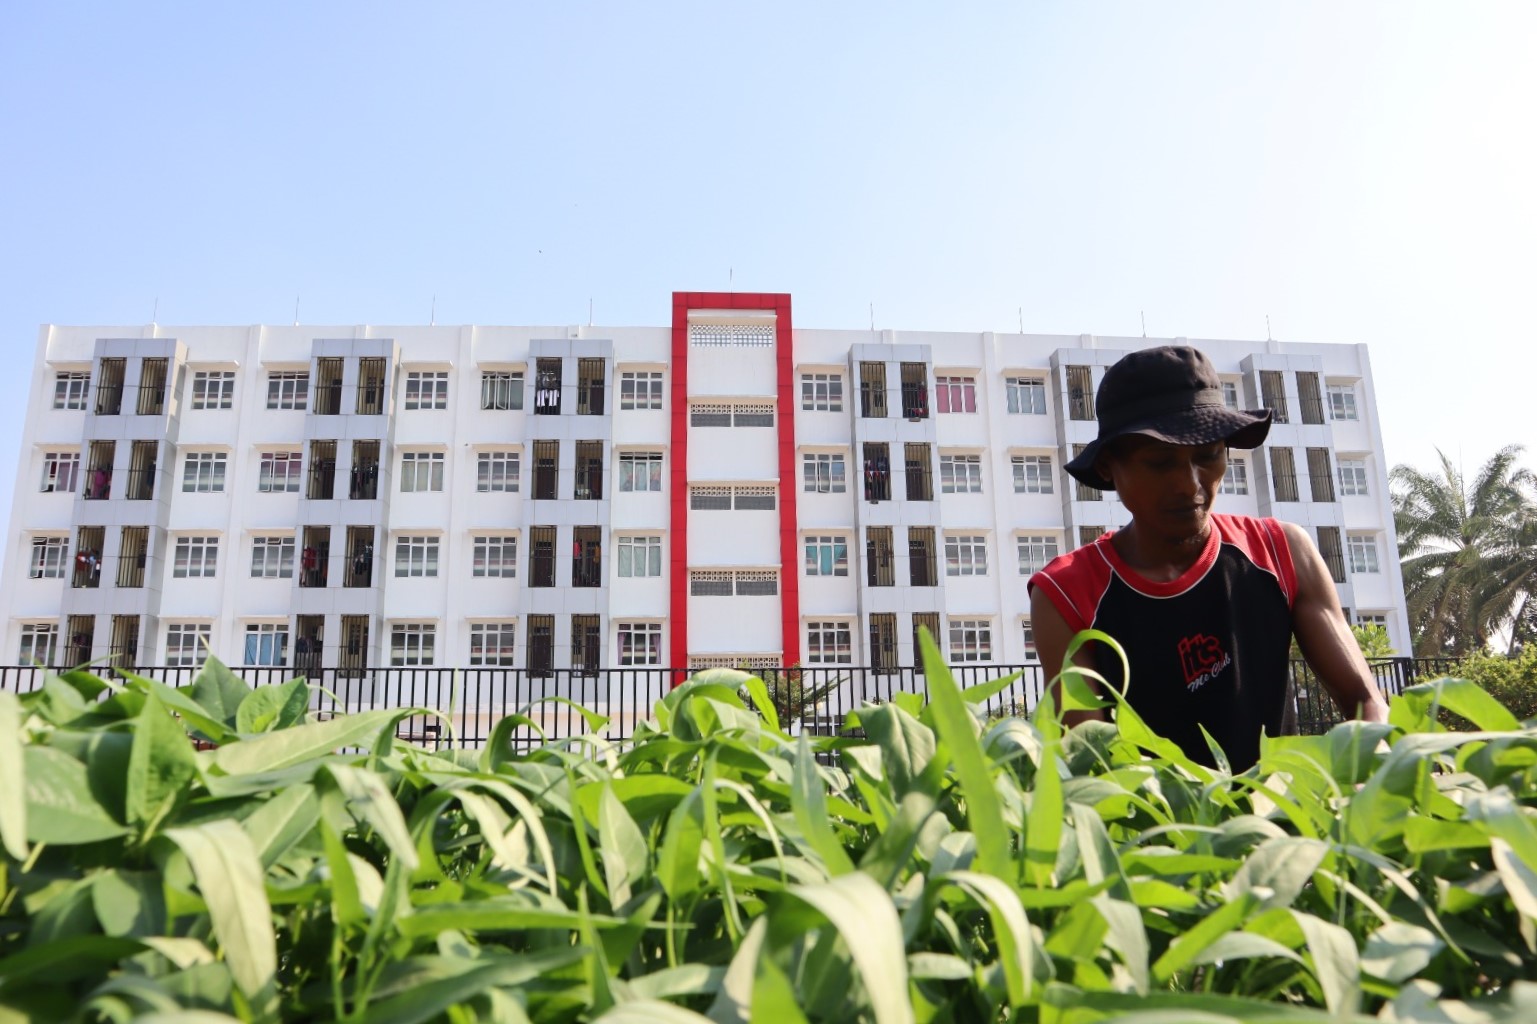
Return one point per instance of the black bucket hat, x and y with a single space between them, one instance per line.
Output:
1171 393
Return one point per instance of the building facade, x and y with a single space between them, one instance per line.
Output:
726 490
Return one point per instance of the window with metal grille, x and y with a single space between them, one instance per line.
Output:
640 471
1310 397
153 371
590 375
494 555
1353 477
587 556
822 392
61 472
371 373
877 471
541 646
753 498
541 556
640 643
203 472
922 563
918 471
1032 474
1330 548
755 414
757 583
710 583
496 471
1035 550
266 643
1283 474
1235 479
1081 490
1272 385
640 389
883 641
827 555
272 558
322 481
548 375
195 557
640 557
709 498
493 643
1028 633
109 386
1320 476
830 642
132 553
288 389
731 335
413 643
1362 548
70 389
960 474
546 470
416 555
823 472
421 472
880 569
280 472
954 393
123 643
965 555
186 643
709 414
971 640
49 556
586 644
589 471
213 389
501 390
1342 402
1026 395
922 621
872 390
1089 534
39 643
1080 392
328 385
915 391
426 389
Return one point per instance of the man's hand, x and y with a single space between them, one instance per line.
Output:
1325 637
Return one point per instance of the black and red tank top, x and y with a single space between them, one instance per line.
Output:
1207 649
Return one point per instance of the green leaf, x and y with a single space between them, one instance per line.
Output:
13 794
1412 711
1398 951
625 854
809 804
193 713
864 915
160 763
678 863
650 1011
430 997
229 875
906 744
268 708
368 798
1011 930
129 903
61 809
1336 963
219 691
272 751
1278 868
282 821
1189 947
1044 820
1519 878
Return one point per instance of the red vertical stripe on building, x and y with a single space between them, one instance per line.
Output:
789 518
677 548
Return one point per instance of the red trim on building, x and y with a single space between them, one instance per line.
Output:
677 568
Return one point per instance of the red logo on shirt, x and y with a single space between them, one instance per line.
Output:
1202 658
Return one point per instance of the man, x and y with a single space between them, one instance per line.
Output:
1205 605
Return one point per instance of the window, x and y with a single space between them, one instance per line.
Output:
70 389
186 643
703 583
877 471
1035 550
546 470
1080 392
61 472
883 642
822 392
39 643
709 415
272 558
956 394
1027 395
965 555
727 582
495 556
971 640
496 471
829 643
413 643
541 558
416 556
280 472
266 643
421 471
501 390
1342 402
427 389
640 643
640 471
1283 474
640 557
213 389
49 555
1320 475
880 557
492 643
827 555
640 389
195 557
1272 387
960 474
1028 630
725 497
921 568
1329 547
704 498
1230 394
1362 549
824 472
731 335
288 390
756 414
1032 474
920 481
203 472
1353 477
1236 479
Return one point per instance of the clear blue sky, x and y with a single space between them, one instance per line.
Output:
1360 172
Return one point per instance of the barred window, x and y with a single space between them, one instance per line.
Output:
756 414
640 556
733 582
186 643
413 643
829 643
1026 395
421 471
827 555
757 583
640 389
704 498
824 472
272 558
39 643
753 498
203 472
712 414
955 394
195 557
971 640
1362 549
703 583
427 389
960 474
822 392
49 555
493 643
1035 550
965 555
288 390
213 389
1352 477
61 472
640 471
280 472
70 389
416 556
1032 474
731 335
496 471
501 390
266 643
640 643
495 556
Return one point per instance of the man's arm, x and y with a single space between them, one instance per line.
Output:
1052 635
1325 637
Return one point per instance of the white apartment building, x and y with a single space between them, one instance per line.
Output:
728 489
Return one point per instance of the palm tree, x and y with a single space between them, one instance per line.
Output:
1469 552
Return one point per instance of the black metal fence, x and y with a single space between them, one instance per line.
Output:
468 703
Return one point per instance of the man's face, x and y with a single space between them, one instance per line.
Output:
1168 488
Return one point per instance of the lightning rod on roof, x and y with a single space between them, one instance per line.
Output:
296 311
1144 321
872 316
1267 328
432 321
589 312
1021 319
155 316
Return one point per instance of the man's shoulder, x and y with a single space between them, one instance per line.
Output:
1264 543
